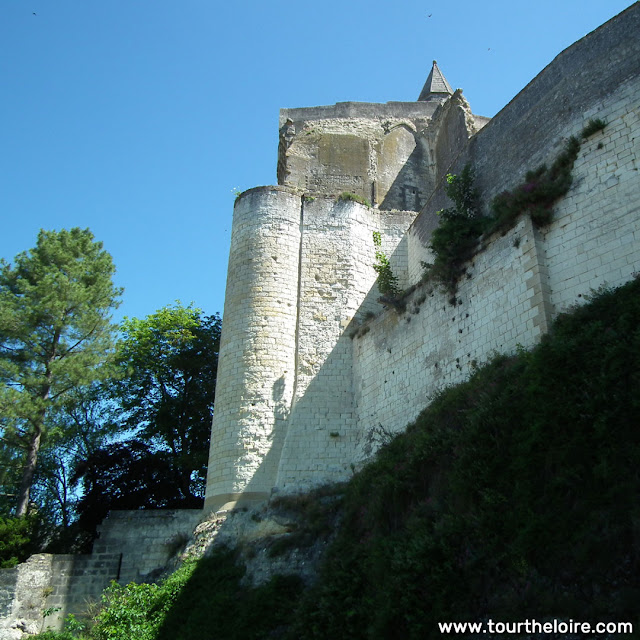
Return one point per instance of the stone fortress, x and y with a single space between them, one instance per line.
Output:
313 367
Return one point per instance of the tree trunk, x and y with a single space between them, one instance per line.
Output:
34 443
27 474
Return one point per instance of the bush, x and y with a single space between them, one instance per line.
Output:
455 240
15 536
387 281
537 195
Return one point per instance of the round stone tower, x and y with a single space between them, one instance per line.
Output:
258 348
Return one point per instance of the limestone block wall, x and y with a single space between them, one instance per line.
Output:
337 289
258 345
143 541
404 359
518 283
581 83
23 597
596 239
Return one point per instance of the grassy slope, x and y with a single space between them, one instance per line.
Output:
513 495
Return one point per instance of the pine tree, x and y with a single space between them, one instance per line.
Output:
55 336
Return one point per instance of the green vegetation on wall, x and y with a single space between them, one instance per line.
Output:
347 196
456 239
387 281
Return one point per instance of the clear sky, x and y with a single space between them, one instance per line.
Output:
140 118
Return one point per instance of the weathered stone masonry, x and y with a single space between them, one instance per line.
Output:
299 398
134 546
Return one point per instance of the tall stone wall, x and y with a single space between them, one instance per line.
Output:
520 281
595 240
258 348
300 273
340 390
336 280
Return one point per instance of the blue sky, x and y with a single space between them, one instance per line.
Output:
140 118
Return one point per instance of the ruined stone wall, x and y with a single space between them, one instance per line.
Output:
386 153
53 584
143 540
133 546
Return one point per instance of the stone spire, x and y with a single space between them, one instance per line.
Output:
436 85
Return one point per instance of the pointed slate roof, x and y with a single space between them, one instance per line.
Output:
436 85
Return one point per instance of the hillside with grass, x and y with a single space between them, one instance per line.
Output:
514 495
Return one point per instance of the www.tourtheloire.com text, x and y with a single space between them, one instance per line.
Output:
533 626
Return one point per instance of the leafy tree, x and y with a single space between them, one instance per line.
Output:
168 364
55 337
125 475
80 428
14 539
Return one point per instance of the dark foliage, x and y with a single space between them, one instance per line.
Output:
15 536
455 240
540 190
167 394
593 126
128 475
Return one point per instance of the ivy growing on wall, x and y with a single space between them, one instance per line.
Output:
387 281
455 240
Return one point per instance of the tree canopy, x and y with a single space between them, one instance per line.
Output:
55 337
165 396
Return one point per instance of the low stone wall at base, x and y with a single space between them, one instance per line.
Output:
133 546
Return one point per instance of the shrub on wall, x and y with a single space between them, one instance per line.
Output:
455 240
538 193
387 282
347 196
